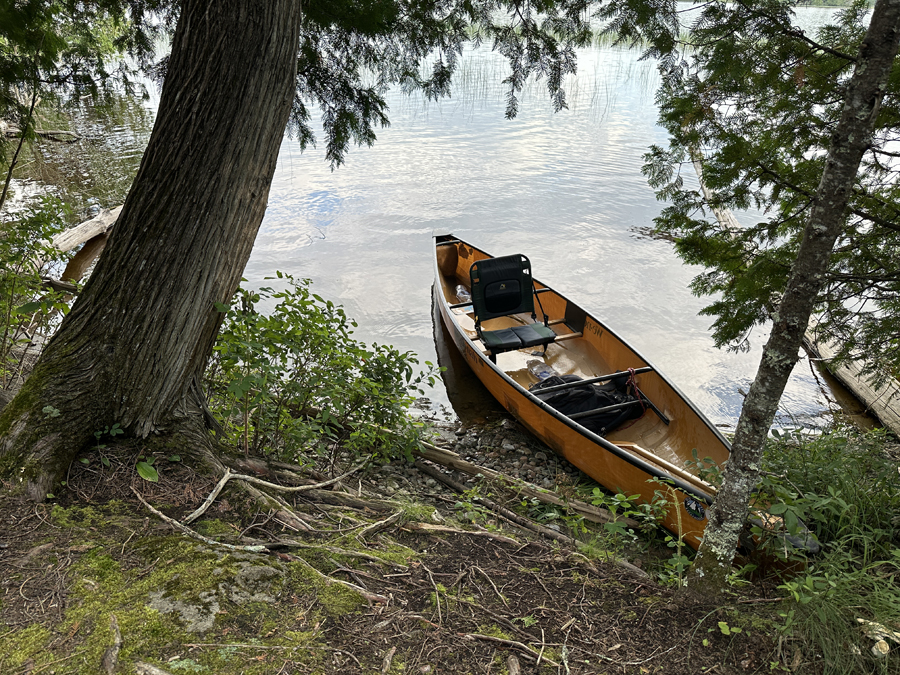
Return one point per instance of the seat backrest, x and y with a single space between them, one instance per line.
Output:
501 286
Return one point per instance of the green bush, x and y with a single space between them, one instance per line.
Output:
295 383
27 308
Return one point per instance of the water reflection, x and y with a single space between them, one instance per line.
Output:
565 189
97 170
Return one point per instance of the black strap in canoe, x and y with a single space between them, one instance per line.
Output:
592 380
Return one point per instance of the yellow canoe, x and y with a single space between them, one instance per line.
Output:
658 444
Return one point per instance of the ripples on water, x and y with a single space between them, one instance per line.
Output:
565 189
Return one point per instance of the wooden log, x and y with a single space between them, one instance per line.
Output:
99 224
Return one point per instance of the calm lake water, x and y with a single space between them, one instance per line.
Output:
564 188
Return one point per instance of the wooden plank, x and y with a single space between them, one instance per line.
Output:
882 403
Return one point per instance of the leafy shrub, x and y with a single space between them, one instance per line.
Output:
846 488
27 308
294 381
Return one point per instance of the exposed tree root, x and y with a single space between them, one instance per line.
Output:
515 517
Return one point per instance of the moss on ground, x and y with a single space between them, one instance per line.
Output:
103 583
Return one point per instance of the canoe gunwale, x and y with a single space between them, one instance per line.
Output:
622 453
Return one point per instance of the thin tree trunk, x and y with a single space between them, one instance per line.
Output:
706 579
135 344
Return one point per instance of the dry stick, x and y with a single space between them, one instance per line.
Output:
366 595
437 595
513 643
210 499
386 664
53 663
430 527
496 617
516 518
543 645
111 657
194 535
297 488
380 525
287 543
235 644
491 582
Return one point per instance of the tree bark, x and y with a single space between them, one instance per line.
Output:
707 576
136 342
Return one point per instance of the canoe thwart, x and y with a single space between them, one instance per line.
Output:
461 304
659 413
568 336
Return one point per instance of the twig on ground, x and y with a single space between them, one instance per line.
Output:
516 518
429 527
296 488
194 535
588 511
386 664
380 525
111 657
513 643
210 499
337 551
437 594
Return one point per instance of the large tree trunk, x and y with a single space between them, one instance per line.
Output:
852 136
136 342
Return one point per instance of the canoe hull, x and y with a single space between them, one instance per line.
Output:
628 458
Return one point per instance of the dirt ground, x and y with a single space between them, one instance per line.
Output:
77 575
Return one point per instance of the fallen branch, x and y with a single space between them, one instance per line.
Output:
337 551
110 660
194 535
518 645
430 527
99 224
380 525
365 594
297 488
209 500
454 461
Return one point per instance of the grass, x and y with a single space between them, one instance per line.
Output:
845 485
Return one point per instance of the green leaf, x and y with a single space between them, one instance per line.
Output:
29 307
174 458
147 472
